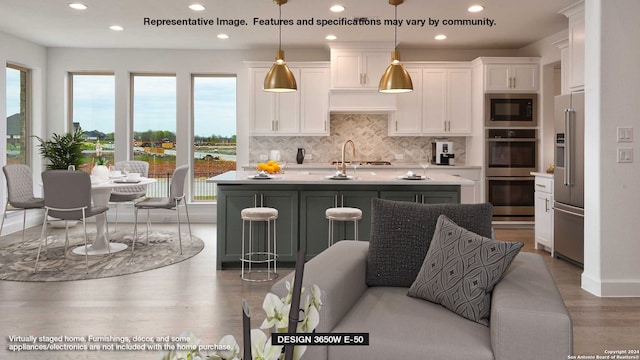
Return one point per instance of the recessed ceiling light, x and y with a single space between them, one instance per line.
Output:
223 36
475 8
331 37
116 28
337 8
78 6
196 7
440 37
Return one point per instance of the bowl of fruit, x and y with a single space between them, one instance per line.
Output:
270 167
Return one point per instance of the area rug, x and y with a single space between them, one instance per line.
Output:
17 260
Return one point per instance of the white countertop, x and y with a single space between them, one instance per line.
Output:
395 166
541 174
364 176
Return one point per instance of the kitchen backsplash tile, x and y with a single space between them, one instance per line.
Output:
369 134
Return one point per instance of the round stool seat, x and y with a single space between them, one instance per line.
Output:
259 213
343 213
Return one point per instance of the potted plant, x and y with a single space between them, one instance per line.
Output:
62 150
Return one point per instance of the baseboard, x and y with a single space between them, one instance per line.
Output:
611 288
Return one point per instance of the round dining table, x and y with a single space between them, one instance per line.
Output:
100 194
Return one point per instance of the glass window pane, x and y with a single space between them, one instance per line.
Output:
93 109
214 127
154 128
16 101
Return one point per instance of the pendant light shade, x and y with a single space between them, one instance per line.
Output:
395 79
280 78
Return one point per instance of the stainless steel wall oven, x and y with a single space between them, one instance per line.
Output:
511 156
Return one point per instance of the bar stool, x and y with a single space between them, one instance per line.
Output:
251 257
343 214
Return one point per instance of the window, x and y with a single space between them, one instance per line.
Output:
93 111
154 127
18 105
214 130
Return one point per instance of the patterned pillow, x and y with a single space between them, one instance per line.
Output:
402 231
461 269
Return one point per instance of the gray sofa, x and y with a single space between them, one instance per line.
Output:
528 317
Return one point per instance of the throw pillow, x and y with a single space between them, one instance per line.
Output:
402 231
461 269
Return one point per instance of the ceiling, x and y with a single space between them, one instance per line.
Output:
53 24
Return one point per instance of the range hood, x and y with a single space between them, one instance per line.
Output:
361 101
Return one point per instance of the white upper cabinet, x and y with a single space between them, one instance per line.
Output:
358 69
575 13
440 103
314 101
511 77
303 112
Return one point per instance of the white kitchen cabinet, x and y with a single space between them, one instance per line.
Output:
358 69
511 77
303 112
575 14
544 212
314 101
440 104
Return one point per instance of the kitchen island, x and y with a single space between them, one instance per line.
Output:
302 197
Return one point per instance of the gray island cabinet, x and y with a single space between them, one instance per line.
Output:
302 198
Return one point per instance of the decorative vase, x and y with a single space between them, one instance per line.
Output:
300 155
100 171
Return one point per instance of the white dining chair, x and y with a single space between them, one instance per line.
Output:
129 193
67 196
20 192
172 202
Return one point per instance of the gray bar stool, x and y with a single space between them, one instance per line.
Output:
343 214
251 257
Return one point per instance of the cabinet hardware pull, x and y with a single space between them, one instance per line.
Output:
261 200
540 185
546 205
396 125
514 82
341 199
255 200
567 212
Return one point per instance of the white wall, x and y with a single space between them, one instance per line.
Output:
31 56
612 190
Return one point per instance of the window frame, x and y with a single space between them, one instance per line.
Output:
28 109
193 127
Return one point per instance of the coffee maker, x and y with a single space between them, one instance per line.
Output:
442 153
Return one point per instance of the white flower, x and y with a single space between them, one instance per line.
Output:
261 348
231 354
289 296
316 299
277 312
310 321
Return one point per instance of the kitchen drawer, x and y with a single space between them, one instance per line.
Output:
544 184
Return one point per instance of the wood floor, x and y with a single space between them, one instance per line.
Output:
193 296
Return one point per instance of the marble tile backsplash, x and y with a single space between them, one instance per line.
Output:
369 133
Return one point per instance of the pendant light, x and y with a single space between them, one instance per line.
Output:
395 79
280 78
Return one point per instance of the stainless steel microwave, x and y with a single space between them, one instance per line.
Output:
509 110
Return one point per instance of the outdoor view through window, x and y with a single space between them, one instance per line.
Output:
17 90
155 120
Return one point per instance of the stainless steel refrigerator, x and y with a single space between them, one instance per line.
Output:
568 214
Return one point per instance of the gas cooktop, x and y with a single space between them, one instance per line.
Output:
363 162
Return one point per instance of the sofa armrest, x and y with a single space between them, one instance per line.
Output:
529 319
340 273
